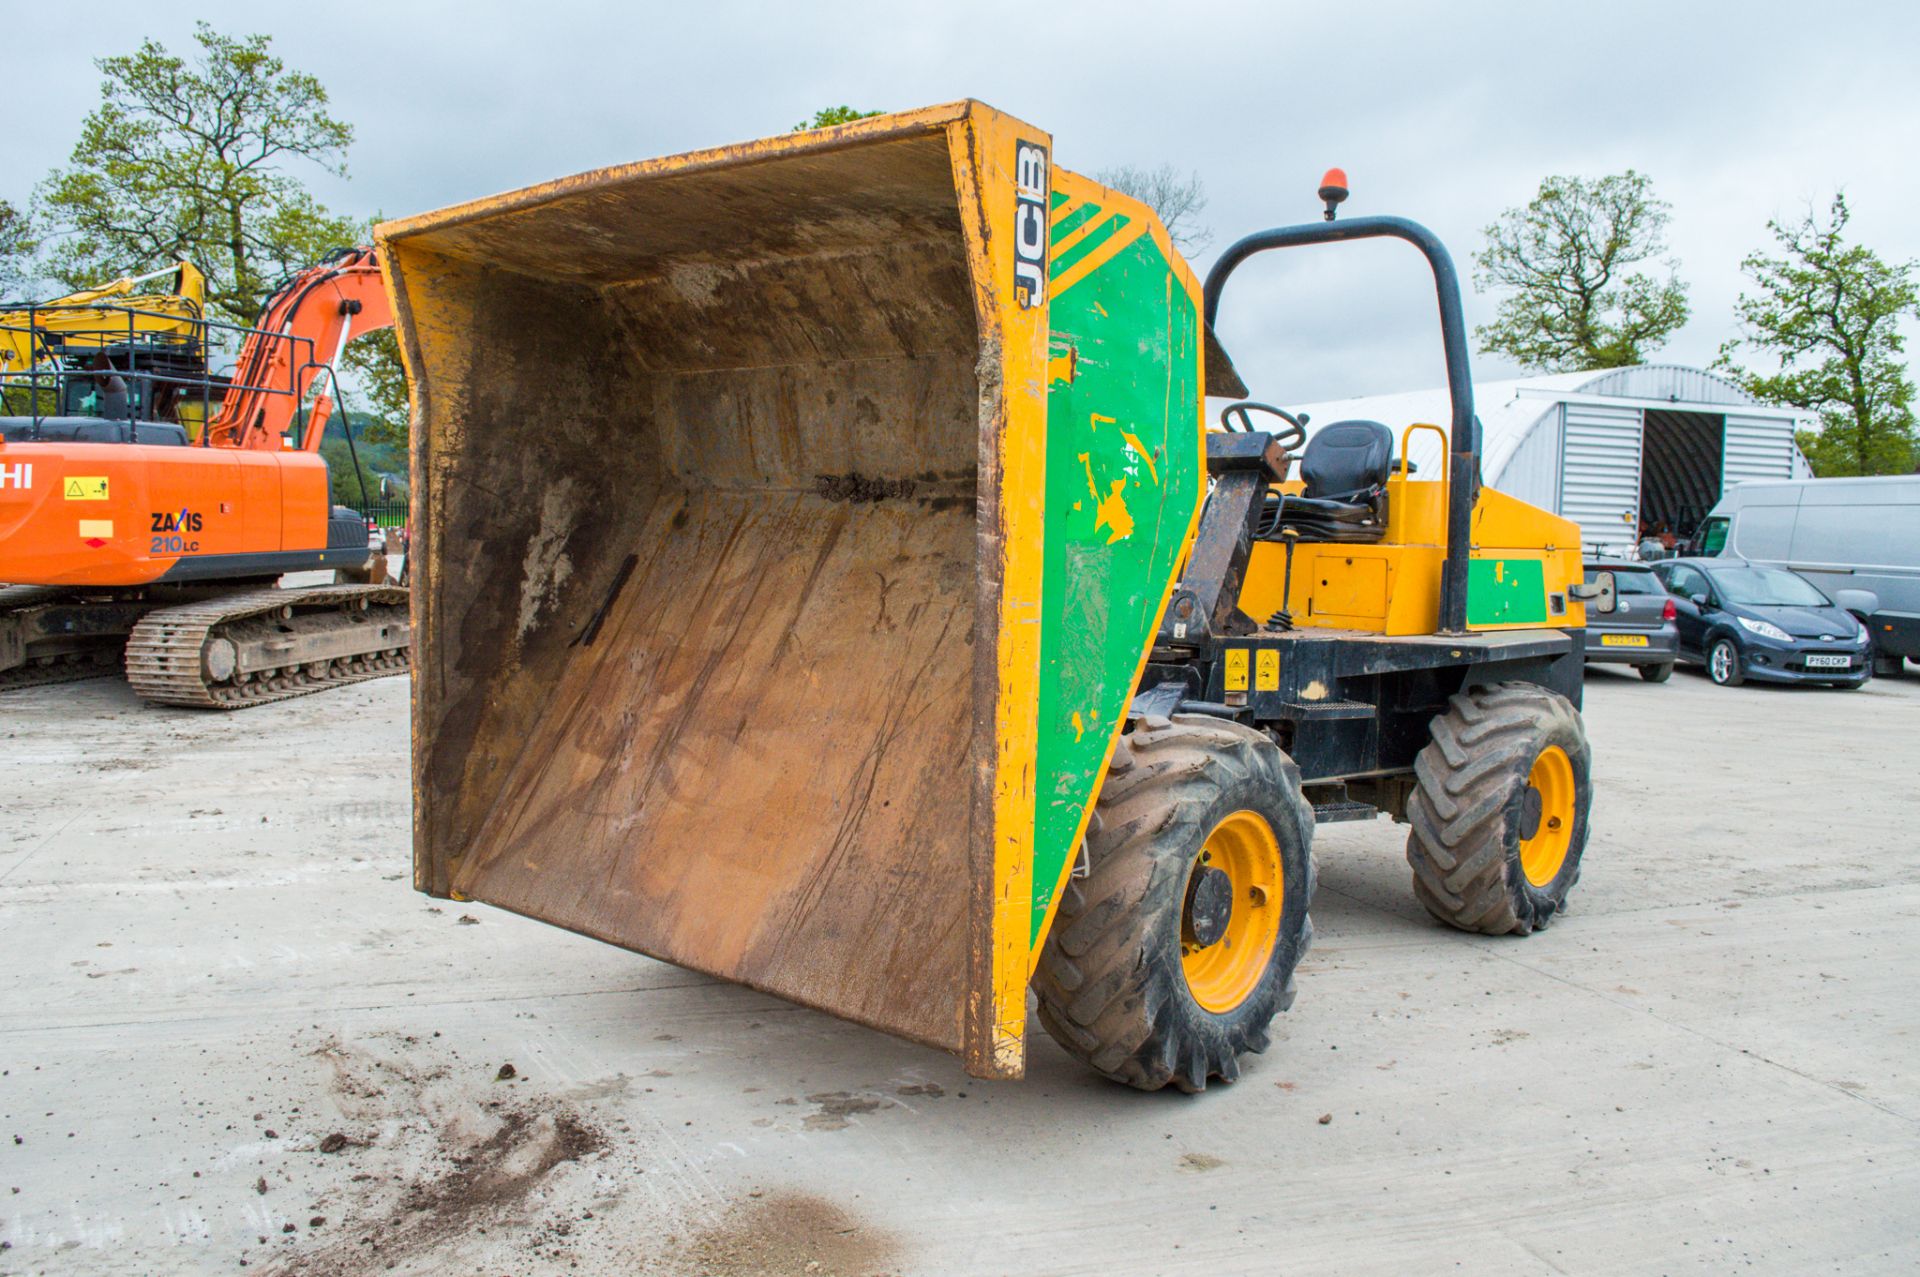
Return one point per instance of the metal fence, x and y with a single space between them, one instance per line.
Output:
385 514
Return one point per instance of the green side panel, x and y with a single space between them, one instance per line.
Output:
1123 479
1506 592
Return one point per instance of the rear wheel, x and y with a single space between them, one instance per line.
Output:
1657 673
1723 663
1171 956
1498 813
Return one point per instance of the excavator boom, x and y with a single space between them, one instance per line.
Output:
292 350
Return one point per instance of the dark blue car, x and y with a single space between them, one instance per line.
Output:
1744 621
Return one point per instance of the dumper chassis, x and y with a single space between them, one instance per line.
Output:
1472 738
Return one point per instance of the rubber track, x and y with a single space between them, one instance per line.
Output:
1457 844
164 652
69 667
1162 778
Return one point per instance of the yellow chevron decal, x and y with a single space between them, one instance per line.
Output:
1099 257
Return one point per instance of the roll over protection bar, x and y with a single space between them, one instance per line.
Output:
1463 462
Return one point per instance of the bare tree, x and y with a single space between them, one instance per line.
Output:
1178 200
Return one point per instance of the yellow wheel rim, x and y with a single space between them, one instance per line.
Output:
1543 847
1221 974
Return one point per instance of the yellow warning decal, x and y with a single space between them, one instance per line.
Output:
1266 670
1236 669
102 528
85 487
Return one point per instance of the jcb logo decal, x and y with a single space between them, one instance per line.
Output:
1030 176
17 475
185 521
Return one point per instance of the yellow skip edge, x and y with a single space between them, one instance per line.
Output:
982 146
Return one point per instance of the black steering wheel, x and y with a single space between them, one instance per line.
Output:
1290 438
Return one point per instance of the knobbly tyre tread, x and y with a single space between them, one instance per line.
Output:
1463 844
66 667
164 651
1106 992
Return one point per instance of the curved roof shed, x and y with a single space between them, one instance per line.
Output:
1655 442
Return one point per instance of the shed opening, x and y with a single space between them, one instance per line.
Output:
1681 470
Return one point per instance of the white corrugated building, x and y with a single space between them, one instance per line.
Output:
1655 442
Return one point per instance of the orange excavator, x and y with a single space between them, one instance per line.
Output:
127 526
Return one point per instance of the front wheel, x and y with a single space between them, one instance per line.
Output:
1498 814
1723 663
1171 956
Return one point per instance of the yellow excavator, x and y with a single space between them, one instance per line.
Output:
110 324
827 580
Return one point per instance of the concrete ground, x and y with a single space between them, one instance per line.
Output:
231 1034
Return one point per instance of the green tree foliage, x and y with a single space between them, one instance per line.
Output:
1827 315
827 117
383 466
1178 199
377 385
189 160
1566 262
16 252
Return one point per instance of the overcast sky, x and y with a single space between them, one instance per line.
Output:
1445 113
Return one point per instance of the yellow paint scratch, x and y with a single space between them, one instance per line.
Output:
1140 450
1061 368
1079 728
1111 510
1113 513
1097 418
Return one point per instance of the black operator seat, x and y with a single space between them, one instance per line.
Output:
1345 467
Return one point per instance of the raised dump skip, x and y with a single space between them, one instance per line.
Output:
732 512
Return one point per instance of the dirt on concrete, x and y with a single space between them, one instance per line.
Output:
782 1234
441 1164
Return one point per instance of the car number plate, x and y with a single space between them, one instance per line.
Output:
1623 640
1827 662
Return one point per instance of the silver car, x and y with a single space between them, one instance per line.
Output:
1640 631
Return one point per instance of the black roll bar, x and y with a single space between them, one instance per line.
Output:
1463 462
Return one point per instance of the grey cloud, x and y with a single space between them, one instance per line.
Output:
1444 113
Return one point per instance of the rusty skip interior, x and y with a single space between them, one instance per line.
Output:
702 581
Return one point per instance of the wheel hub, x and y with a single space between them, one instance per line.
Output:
1209 906
1531 807
1235 897
1547 810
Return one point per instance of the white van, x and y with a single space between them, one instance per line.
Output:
1840 534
